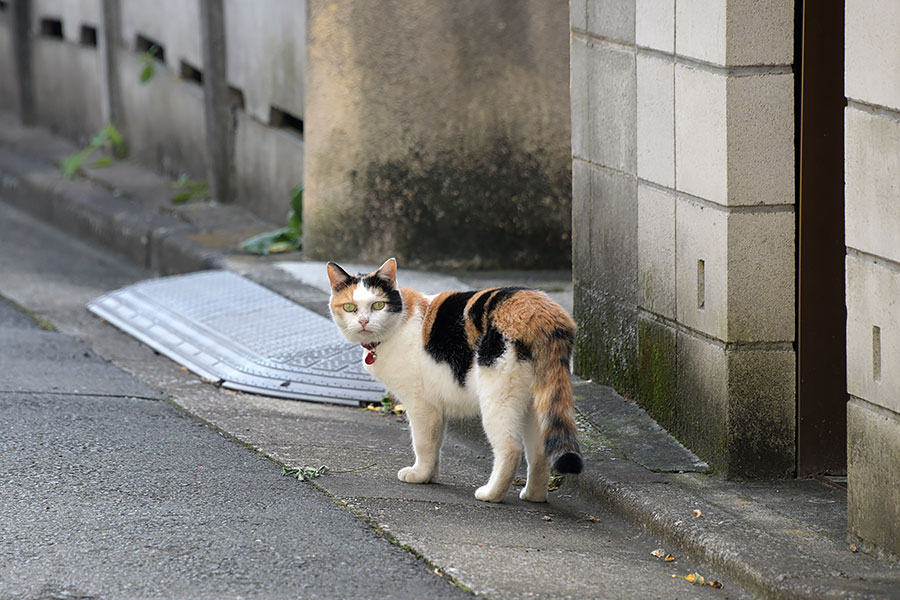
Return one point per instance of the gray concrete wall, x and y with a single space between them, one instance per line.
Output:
872 200
438 132
683 179
66 69
163 120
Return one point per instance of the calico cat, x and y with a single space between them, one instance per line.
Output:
501 352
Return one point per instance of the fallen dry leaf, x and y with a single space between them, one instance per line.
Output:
660 553
695 578
853 548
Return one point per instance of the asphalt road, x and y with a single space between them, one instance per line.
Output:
109 491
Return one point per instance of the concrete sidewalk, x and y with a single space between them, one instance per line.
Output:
780 539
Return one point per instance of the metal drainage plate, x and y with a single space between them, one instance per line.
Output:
232 331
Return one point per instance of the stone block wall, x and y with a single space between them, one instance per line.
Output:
872 207
80 83
684 224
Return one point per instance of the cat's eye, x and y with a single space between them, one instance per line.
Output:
378 305
349 307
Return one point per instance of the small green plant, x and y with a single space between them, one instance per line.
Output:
309 473
189 189
148 69
284 239
108 137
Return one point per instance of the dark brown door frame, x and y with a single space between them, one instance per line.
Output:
821 306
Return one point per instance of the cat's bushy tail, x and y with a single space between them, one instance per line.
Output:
554 402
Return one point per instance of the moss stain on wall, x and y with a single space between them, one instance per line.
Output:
499 207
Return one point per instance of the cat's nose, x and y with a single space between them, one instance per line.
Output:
363 321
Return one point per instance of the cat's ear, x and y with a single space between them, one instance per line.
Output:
339 278
388 272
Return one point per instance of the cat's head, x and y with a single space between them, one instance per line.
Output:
366 308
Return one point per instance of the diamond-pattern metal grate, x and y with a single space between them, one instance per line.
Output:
230 330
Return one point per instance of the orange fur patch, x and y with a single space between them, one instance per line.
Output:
529 315
342 297
472 328
413 303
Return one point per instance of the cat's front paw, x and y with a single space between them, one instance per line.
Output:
533 496
413 475
486 493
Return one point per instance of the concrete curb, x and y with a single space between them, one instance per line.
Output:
82 208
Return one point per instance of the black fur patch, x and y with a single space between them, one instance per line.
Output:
345 284
559 444
476 311
523 351
447 341
490 347
570 462
566 335
394 301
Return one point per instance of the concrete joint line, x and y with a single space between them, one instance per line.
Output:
78 395
874 259
726 208
881 411
602 167
601 42
728 71
732 346
874 109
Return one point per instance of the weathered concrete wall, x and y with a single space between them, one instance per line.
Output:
683 148
438 132
66 68
162 120
266 58
872 208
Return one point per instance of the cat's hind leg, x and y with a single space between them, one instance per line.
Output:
427 426
504 397
535 489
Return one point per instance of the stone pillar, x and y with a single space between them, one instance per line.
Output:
21 48
872 173
683 148
216 102
438 132
110 32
